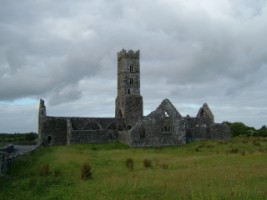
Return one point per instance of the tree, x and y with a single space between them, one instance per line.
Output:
30 136
238 128
262 131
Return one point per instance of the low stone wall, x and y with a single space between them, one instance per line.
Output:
8 148
6 158
3 161
124 137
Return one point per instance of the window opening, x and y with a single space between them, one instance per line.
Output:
166 129
131 81
131 68
166 114
143 133
49 138
129 91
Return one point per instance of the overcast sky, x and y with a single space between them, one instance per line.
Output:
191 52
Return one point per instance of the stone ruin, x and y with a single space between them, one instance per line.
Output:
162 127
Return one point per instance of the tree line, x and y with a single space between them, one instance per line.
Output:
7 137
239 128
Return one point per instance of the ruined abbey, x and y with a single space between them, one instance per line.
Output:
162 127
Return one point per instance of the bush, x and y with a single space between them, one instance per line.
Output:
147 163
44 170
86 171
130 164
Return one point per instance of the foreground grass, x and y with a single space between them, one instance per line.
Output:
236 169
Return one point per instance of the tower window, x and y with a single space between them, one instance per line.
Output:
131 68
129 91
131 81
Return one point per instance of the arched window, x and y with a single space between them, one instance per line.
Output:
166 128
202 113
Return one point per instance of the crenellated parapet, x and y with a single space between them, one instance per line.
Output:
128 54
42 108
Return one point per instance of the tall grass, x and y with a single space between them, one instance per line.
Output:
213 172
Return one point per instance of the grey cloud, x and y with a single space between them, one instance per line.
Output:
191 52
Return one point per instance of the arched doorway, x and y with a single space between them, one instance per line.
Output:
49 140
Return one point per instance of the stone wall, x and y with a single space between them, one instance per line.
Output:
162 127
4 161
54 131
199 129
93 136
8 148
124 137
9 155
74 130
220 132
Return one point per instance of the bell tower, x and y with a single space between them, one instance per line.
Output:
129 102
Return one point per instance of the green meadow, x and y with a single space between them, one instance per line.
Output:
236 169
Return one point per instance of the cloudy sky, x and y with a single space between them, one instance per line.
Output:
192 52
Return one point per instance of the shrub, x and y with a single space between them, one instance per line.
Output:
147 163
44 170
86 171
130 164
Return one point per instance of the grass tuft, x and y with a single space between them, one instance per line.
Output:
234 150
44 170
164 166
86 171
147 163
130 164
57 172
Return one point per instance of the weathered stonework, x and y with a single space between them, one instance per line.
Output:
162 127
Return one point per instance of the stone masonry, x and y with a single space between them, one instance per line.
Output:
162 127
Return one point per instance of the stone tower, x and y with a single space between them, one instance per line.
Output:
41 119
129 102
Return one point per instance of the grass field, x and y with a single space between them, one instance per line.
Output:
236 169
